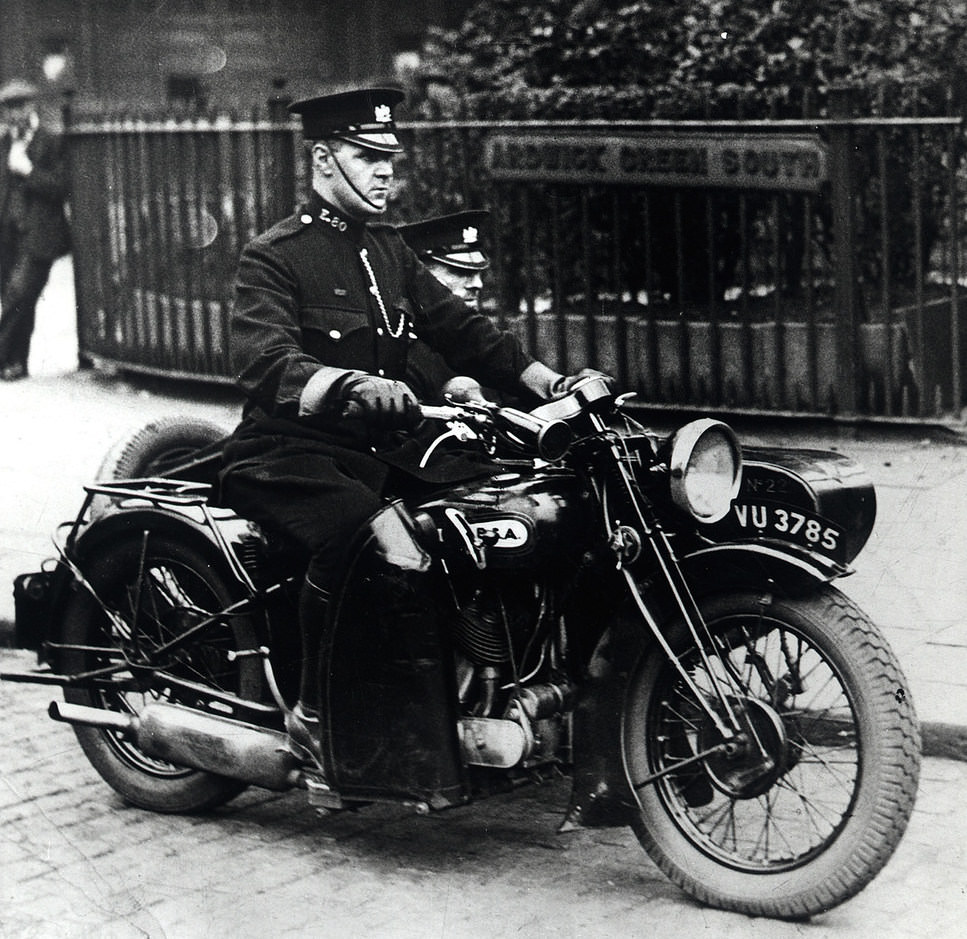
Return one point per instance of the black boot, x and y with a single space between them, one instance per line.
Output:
303 722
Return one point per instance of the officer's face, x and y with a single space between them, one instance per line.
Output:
465 284
354 179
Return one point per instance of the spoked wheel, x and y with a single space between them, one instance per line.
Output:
799 810
156 587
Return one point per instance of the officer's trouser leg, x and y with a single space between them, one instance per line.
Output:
320 506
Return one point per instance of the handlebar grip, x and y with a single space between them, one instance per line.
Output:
353 410
550 438
435 412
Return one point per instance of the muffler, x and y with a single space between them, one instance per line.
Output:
180 735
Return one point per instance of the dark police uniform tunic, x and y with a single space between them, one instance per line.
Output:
303 302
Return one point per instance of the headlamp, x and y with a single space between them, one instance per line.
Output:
705 469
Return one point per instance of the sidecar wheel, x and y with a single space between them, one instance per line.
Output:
804 828
170 585
153 449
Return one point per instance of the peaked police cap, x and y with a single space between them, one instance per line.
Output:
450 239
363 116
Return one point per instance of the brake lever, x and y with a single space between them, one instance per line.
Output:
477 405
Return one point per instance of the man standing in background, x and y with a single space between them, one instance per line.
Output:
33 224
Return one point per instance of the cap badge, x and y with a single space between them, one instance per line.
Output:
470 236
383 114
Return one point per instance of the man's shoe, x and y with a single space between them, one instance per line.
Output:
305 736
13 372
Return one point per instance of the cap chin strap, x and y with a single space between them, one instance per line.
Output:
352 185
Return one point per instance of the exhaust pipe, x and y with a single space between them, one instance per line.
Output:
186 737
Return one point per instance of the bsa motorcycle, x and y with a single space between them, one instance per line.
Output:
653 616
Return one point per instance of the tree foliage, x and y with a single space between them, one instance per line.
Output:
655 58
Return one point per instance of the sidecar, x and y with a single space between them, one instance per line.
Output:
817 502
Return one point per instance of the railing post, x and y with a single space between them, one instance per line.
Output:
283 168
843 194
80 320
279 100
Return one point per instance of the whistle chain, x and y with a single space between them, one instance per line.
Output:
374 290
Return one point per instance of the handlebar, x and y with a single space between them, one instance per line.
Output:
353 410
544 431
446 412
550 438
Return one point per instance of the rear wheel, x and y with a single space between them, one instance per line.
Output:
813 805
157 587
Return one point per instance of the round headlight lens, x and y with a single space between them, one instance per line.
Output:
706 468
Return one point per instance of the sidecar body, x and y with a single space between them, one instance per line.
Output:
816 501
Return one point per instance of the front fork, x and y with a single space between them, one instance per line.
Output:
627 540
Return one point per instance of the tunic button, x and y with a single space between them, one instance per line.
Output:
335 334
306 219
381 372
379 331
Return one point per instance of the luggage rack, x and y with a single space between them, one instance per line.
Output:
154 491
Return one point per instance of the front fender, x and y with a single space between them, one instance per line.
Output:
758 564
600 794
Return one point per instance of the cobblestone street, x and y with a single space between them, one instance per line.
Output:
76 862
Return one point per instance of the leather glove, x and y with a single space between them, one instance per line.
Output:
547 384
384 403
565 383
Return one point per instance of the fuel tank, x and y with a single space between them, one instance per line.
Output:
512 520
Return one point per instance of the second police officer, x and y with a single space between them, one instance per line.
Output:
449 245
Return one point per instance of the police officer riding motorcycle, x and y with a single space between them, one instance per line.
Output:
510 593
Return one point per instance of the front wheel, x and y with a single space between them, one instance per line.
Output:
812 803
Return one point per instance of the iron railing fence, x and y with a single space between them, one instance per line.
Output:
838 293
842 300
160 211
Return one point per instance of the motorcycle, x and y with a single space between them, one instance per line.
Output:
652 615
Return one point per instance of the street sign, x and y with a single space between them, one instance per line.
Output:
792 162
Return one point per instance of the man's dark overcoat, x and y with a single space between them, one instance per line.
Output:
32 207
304 302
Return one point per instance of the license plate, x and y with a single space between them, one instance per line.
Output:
770 520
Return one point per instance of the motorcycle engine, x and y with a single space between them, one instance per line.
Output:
512 699
497 624
499 640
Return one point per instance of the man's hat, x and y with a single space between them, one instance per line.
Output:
450 239
17 91
363 117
